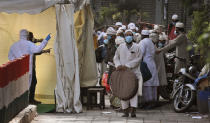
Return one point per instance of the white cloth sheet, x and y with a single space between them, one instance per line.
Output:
25 6
68 84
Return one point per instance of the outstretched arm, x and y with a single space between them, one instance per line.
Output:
37 49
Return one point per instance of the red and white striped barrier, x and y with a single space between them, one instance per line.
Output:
14 78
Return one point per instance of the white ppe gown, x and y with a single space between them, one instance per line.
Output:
25 47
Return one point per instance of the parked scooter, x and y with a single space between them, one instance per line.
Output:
184 92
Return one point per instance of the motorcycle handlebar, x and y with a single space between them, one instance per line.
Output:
181 59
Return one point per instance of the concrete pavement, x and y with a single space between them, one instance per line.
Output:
162 114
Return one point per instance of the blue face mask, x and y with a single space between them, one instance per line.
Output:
128 39
160 45
109 37
175 33
106 41
134 33
174 23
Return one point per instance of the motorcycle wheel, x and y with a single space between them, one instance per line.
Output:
182 102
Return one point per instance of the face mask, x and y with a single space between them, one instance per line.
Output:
128 39
175 33
134 33
106 41
160 45
174 23
109 37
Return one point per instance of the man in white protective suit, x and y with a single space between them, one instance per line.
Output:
25 47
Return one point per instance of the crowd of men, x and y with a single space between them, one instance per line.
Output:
125 46
122 47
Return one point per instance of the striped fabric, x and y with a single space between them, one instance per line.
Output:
14 77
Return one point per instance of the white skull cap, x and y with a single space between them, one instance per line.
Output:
118 24
156 28
151 31
128 30
145 32
179 25
123 27
119 31
175 17
154 37
131 25
111 31
161 38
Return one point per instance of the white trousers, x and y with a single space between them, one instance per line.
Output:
101 68
99 71
133 102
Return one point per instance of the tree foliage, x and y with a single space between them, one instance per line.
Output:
199 23
204 43
106 12
120 12
200 33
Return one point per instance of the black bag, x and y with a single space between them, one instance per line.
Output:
98 52
146 74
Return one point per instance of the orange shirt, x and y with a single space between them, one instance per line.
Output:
171 34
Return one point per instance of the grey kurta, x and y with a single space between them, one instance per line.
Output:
180 42
160 64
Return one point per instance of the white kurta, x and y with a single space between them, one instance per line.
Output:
148 52
25 47
131 58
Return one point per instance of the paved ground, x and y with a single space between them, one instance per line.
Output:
162 114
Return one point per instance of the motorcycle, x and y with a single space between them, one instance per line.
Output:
165 91
184 91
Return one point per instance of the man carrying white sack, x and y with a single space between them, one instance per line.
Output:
128 56
25 47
